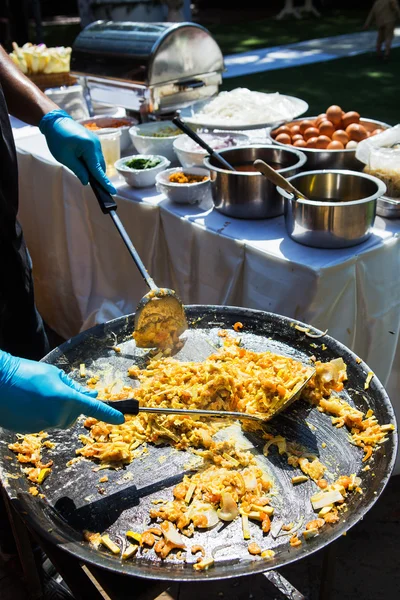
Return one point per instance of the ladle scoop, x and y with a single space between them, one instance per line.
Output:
160 317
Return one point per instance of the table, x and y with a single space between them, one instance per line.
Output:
84 275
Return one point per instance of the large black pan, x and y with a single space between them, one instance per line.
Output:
72 499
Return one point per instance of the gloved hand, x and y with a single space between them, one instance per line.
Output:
35 396
75 147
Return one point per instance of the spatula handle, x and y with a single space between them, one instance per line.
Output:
109 207
276 178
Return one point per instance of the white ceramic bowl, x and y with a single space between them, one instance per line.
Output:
184 193
148 143
141 177
190 156
107 123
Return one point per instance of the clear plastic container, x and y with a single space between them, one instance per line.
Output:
110 140
71 99
384 163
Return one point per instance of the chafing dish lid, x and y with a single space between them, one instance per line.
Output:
153 53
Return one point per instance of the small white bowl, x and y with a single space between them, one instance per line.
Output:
150 144
105 122
190 156
141 177
184 193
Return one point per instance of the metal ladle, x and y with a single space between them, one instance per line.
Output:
160 317
132 407
277 179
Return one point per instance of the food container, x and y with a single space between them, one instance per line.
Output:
389 208
149 138
71 99
110 145
340 211
184 193
332 159
250 195
106 122
191 154
141 177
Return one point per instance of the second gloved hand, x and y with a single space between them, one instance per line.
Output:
75 147
35 396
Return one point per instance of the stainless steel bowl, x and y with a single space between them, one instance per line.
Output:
331 159
389 208
249 195
340 211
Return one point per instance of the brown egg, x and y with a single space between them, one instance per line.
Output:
334 114
282 129
351 145
326 128
349 118
377 131
294 130
321 117
311 132
335 145
283 138
340 136
300 143
297 137
323 141
356 132
305 125
312 142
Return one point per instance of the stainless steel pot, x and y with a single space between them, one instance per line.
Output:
340 211
249 195
331 159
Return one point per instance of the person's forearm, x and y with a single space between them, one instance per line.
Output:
24 99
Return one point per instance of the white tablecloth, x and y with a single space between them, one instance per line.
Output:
84 275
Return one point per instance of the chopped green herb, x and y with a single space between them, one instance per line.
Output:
142 163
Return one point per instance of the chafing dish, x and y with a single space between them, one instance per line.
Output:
147 68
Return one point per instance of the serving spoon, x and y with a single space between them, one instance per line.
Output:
132 407
160 316
277 179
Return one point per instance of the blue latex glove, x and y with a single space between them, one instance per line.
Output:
35 396
75 147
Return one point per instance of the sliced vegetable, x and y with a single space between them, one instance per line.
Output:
108 543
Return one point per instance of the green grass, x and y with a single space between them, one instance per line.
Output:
360 83
268 32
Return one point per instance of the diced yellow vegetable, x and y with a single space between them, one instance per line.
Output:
325 498
129 552
325 510
108 543
82 370
267 554
190 493
368 380
268 510
245 527
204 564
230 459
310 533
132 535
42 475
299 479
